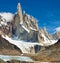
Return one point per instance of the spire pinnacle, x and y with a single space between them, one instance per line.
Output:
20 12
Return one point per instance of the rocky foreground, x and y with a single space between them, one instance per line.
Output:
7 48
50 54
14 61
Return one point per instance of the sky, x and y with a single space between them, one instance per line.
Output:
47 12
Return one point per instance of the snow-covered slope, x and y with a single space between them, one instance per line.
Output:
47 42
25 46
20 58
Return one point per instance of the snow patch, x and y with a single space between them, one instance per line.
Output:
48 42
3 23
25 28
33 29
21 23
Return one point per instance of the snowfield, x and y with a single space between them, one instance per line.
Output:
25 46
20 58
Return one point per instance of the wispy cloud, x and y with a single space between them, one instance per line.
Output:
7 15
57 29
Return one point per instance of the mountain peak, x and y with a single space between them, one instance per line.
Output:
23 31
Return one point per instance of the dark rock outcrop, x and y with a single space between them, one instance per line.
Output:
16 61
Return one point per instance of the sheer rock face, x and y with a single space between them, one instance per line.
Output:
30 21
29 25
25 26
20 13
40 38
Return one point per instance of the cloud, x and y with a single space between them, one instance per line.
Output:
7 15
57 29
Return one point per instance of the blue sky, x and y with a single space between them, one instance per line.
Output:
46 11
